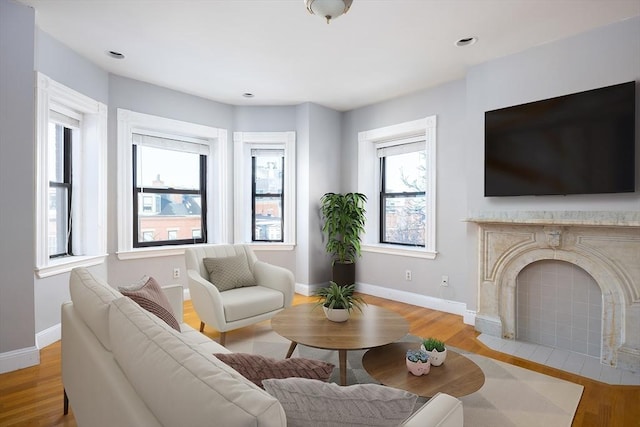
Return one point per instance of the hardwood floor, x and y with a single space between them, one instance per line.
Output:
33 396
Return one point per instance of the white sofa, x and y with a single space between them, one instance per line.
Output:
123 366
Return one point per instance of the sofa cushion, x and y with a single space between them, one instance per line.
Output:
91 298
229 272
256 368
316 403
149 295
179 383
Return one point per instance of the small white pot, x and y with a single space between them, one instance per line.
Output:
336 314
418 368
435 357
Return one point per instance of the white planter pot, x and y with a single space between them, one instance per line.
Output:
418 368
336 314
435 357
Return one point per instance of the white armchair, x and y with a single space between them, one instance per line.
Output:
238 307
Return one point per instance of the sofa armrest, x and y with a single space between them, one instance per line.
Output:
442 410
175 295
275 277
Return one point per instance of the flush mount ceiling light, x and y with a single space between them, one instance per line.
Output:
328 9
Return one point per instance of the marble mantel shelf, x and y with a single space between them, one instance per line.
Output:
576 218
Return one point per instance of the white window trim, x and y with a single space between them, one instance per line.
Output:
217 179
89 182
243 143
369 178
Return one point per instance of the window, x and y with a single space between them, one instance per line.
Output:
267 195
60 189
402 194
172 183
71 179
170 190
265 188
396 171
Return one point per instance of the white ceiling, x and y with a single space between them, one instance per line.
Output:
219 49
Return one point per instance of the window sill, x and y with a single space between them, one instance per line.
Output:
66 264
271 246
179 250
400 251
154 252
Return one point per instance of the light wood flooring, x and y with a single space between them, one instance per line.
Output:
33 396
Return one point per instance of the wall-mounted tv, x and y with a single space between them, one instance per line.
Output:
582 143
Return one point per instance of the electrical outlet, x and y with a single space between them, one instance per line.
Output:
176 273
445 281
407 275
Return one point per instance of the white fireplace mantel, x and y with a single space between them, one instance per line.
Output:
604 244
586 218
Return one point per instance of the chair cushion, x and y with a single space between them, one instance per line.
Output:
179 383
241 303
256 368
229 272
150 296
315 403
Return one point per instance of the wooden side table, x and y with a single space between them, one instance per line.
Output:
457 376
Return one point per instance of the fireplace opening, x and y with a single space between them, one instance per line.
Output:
559 305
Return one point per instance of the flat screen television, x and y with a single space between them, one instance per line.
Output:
582 143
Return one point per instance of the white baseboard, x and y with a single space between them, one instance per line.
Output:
306 290
469 317
433 303
18 359
49 336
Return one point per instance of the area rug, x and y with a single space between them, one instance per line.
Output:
510 396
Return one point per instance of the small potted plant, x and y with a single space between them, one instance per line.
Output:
436 349
338 301
418 362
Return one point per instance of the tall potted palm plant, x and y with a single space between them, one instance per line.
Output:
344 219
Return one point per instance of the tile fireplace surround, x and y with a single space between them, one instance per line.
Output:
604 244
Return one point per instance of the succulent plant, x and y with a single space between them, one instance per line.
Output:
417 356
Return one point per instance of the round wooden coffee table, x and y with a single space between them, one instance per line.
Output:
457 376
307 324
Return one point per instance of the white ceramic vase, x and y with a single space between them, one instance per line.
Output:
418 368
435 357
336 314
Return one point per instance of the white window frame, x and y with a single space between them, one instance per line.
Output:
89 206
130 122
244 142
369 183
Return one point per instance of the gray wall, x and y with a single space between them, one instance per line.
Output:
319 153
17 176
65 66
448 103
264 119
146 98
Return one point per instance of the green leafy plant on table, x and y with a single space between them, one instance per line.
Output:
339 297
